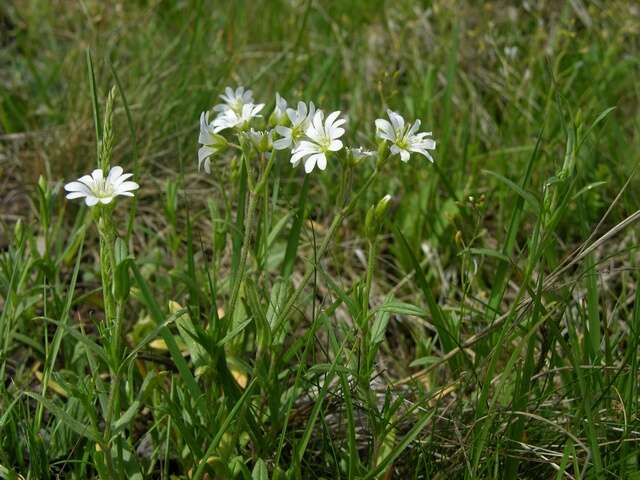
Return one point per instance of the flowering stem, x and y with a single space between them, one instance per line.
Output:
113 310
107 262
244 255
364 327
254 192
323 248
263 180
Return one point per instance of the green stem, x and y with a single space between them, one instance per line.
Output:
113 317
254 192
337 221
365 360
244 255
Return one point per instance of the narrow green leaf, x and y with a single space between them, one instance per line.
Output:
80 428
174 351
296 229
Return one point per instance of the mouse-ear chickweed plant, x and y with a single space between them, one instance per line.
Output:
99 192
309 137
255 144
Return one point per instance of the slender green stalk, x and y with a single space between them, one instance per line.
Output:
364 327
246 244
337 221
254 192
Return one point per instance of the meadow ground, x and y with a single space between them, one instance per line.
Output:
257 322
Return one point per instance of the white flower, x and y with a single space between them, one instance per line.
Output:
234 100
511 52
211 143
95 188
322 139
358 153
404 138
279 114
231 118
300 120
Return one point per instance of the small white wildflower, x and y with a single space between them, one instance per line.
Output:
211 143
232 119
511 52
300 120
322 139
96 188
358 153
404 138
234 100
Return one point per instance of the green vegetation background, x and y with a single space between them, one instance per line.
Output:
546 382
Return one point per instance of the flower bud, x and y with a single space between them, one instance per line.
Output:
219 142
376 216
18 230
383 153
459 240
382 207
42 183
356 155
279 114
262 140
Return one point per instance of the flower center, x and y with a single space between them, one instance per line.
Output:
236 106
402 138
325 142
103 189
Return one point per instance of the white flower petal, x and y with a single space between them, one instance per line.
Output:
76 187
310 163
96 175
383 126
396 120
321 159
297 156
308 147
414 128
72 195
330 119
114 174
336 132
335 145
282 143
122 178
126 186
204 152
90 200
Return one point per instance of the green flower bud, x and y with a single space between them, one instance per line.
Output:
262 140
18 230
370 226
376 216
355 156
383 153
382 207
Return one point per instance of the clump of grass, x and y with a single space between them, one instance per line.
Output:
257 322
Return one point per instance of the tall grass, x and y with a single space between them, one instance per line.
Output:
486 326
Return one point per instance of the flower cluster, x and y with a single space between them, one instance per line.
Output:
309 136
